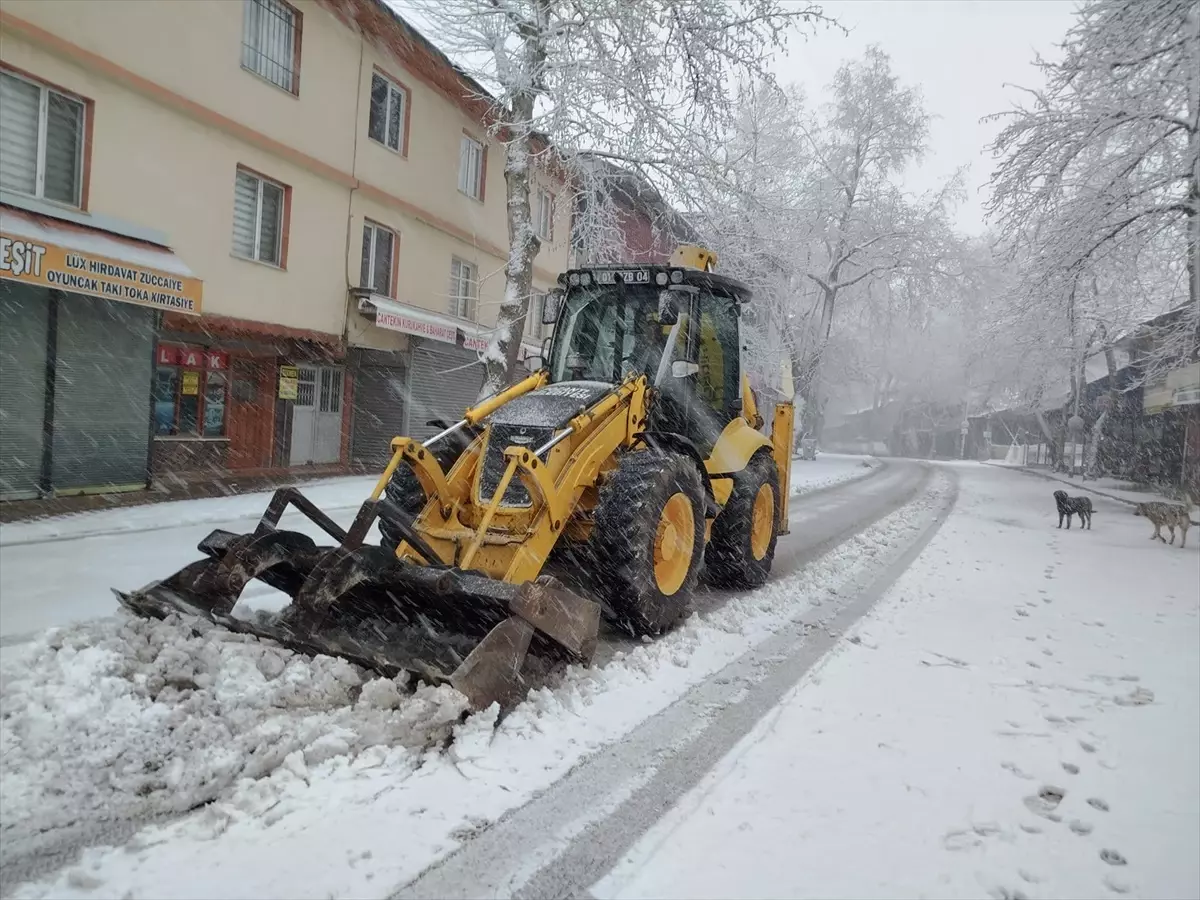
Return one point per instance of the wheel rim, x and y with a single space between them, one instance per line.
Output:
762 521
674 543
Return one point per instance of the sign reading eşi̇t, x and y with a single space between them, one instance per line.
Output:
48 265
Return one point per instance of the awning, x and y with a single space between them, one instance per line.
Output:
396 316
52 253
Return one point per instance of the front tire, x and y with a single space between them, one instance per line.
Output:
648 540
742 547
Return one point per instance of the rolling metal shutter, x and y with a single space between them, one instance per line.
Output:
24 320
443 384
378 413
102 393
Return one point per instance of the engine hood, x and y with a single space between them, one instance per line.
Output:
552 406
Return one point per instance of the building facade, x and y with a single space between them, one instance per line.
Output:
269 246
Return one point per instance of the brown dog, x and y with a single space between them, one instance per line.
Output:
1170 515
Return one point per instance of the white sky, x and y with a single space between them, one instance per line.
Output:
961 52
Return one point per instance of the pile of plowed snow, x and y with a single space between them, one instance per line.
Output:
129 717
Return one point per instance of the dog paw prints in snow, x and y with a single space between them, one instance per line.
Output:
1070 768
1139 696
1116 885
1045 802
1016 770
1080 827
1098 803
1001 892
1113 858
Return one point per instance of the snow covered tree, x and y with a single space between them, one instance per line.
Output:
642 83
1096 190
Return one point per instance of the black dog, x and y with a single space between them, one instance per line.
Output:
1073 506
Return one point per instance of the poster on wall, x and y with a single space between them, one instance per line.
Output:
289 382
190 386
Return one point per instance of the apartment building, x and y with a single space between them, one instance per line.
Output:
243 236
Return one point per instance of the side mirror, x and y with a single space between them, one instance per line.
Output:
682 368
551 307
535 362
668 306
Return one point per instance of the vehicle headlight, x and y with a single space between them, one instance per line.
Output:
660 279
573 279
585 279
676 276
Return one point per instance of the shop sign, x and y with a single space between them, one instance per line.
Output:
190 384
476 343
289 382
213 360
51 266
411 325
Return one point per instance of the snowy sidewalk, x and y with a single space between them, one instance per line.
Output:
1019 717
1104 487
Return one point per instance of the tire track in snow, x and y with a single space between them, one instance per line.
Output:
564 841
822 519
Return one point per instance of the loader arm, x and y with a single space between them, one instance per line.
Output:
512 544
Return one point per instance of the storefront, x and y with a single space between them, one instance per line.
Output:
247 397
79 311
441 376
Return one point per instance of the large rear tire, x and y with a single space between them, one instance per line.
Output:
647 541
742 546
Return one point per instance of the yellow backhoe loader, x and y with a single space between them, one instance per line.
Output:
599 486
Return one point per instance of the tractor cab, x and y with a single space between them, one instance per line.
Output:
678 324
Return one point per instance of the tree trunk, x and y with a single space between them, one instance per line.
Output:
1093 452
523 244
502 353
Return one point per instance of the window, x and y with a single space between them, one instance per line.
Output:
258 218
388 107
190 393
544 215
41 141
533 318
378 255
464 289
470 167
271 42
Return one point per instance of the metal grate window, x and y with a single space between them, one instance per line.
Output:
269 38
464 289
470 168
41 141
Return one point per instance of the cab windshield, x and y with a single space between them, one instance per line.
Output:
605 332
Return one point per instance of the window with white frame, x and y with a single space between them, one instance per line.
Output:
544 215
378 257
258 218
270 36
470 167
41 141
533 318
464 288
387 112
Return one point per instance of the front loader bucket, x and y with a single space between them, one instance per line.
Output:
364 604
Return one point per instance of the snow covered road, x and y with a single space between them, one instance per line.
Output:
58 571
1018 717
114 724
